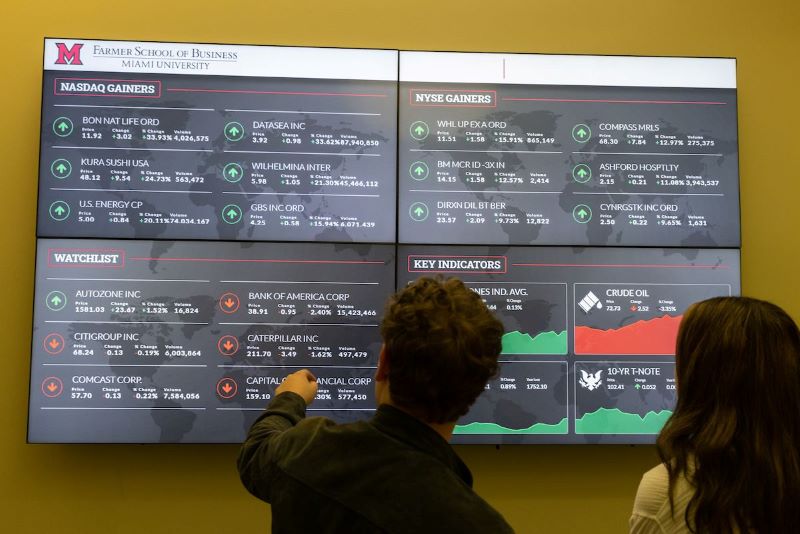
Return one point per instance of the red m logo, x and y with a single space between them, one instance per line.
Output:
69 56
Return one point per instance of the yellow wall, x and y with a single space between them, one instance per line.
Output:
127 489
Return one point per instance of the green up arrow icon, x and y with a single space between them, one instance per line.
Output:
231 214
418 211
61 168
59 210
56 300
234 131
582 213
581 133
418 170
232 172
419 130
62 126
582 173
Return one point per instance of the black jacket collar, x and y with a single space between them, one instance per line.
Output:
415 433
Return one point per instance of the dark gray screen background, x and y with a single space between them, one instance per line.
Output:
173 275
365 173
194 210
187 357
556 120
598 267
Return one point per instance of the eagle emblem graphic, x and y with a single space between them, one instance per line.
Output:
591 381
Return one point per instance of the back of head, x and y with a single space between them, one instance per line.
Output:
442 345
736 426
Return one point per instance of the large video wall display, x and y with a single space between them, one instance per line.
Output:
212 218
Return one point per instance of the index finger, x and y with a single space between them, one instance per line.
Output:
309 375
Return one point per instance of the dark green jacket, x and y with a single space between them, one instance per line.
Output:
391 474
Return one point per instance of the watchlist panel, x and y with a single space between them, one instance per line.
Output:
170 341
589 343
567 150
252 143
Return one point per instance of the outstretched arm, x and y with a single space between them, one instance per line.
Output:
257 455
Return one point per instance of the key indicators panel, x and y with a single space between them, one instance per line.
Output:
588 331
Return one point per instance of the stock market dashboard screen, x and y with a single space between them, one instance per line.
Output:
213 217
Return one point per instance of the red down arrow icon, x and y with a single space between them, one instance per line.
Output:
54 343
226 388
229 302
228 345
52 386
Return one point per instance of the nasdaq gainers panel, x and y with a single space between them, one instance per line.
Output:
588 350
567 150
174 141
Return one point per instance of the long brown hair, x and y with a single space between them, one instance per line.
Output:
735 431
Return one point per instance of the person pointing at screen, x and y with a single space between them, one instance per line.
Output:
397 471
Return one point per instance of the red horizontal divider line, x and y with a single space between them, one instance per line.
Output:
253 92
239 260
644 266
616 101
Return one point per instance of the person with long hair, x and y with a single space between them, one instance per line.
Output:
730 453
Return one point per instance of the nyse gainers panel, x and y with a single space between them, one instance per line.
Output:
170 341
588 349
267 154
540 163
